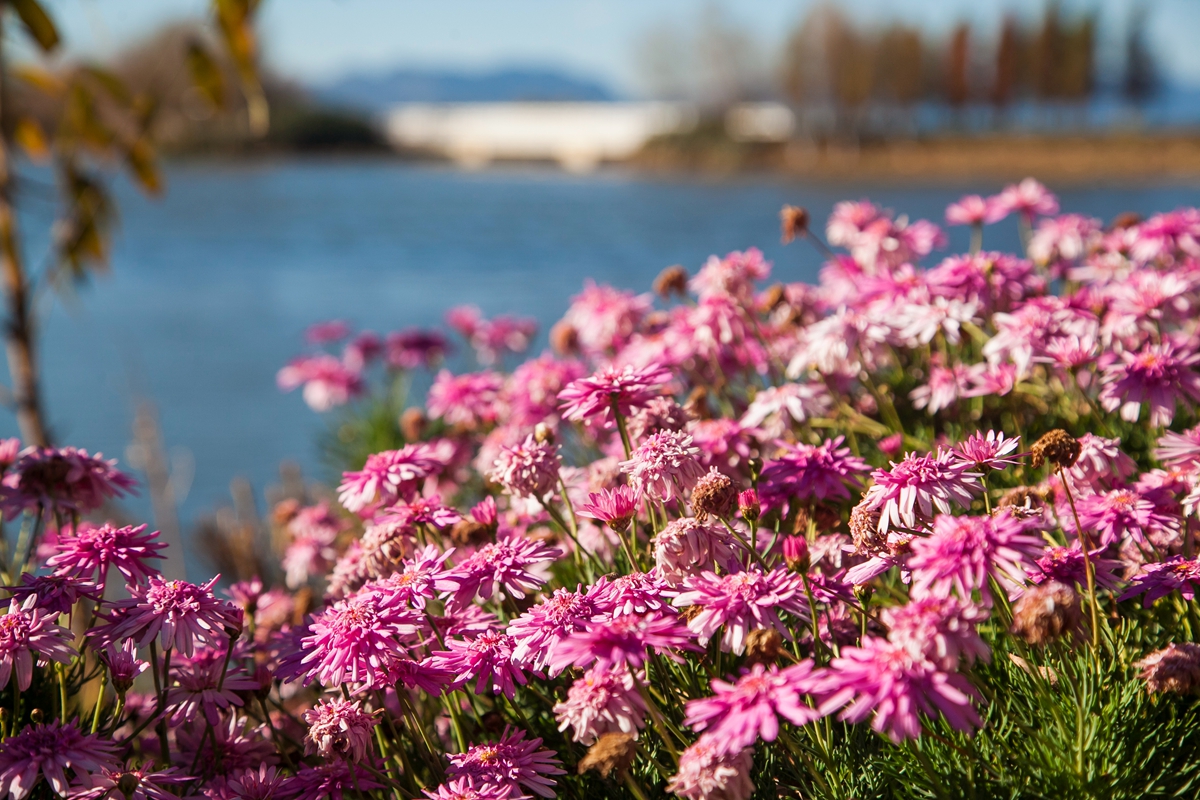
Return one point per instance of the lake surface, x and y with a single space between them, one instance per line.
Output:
213 285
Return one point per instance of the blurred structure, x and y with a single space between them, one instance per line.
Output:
578 136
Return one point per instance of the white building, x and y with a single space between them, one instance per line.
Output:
579 136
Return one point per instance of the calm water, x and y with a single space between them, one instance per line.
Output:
213 285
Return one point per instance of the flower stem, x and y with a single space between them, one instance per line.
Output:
1086 545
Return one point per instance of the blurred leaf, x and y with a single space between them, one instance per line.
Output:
206 75
83 230
111 83
81 122
40 79
30 137
144 166
37 22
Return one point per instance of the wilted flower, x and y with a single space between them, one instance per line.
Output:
1175 668
339 729
1046 613
714 494
664 466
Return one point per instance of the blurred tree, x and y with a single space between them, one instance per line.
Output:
1141 72
1077 78
1046 55
79 121
1007 67
851 60
958 87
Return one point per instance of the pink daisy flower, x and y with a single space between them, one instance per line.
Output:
486 659
28 635
604 700
807 472
328 381
982 452
962 552
909 493
419 579
93 549
688 546
604 318
1067 565
884 679
773 407
1028 198
339 729
335 780
203 685
538 631
1159 579
741 602
512 761
328 332
975 210
635 593
413 348
624 640
59 754
178 613
1159 375
529 469
55 594
616 508
467 788
66 478
939 629
123 665
388 477
707 773
1180 450
502 565
143 783
1119 514
468 400
626 389
739 713
1101 464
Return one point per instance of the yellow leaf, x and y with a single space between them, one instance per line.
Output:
29 135
37 22
206 75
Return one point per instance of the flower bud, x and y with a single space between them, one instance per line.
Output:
412 424
795 553
762 646
748 506
755 464
128 784
543 433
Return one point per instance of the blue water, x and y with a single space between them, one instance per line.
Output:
212 286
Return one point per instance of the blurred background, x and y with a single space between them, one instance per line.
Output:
392 159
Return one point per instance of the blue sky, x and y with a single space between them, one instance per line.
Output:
319 40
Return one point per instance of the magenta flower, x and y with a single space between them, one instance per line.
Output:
539 630
414 348
626 389
739 713
604 318
806 472
418 582
1120 514
1101 464
328 381
66 478
1159 579
706 773
742 602
1159 375
486 659
179 613
334 780
987 452
502 565
616 508
512 761
910 492
1028 198
528 469
664 466
328 332
28 634
143 783
624 640
963 552
884 679
1180 450
468 400
92 550
1067 565
387 477
430 511
56 594
123 665
975 210
635 593
938 629
688 546
339 729
357 640
604 700
57 753
467 788
205 686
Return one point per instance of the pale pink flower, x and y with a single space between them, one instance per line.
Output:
603 700
911 491
1180 450
1101 465
634 593
738 603
988 452
333 330
939 629
733 276
604 318
688 546
705 773
1028 198
664 466
1119 514
29 635
467 788
387 477
327 381
1159 375
963 552
339 729
974 210
624 389
503 565
773 406
529 469
469 400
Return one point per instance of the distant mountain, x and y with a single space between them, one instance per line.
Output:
376 92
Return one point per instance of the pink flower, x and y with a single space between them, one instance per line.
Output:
1064 240
688 546
634 593
739 713
732 276
29 634
512 761
467 788
529 469
327 381
1159 375
414 348
57 753
909 493
55 594
539 630
92 550
179 613
327 332
706 773
339 729
1121 513
1180 450
205 685
1067 565
605 699
938 629
604 318
974 210
884 678
123 665
468 400
942 389
623 640
1160 579
1028 198
486 659
335 780
627 389
993 451
419 511
806 472
419 579
664 466
963 552
741 602
500 565
142 783
795 401
387 477
1101 464
616 508
66 478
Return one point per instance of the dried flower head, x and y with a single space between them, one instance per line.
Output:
1045 613
762 646
1058 447
613 751
793 222
1175 668
671 281
714 494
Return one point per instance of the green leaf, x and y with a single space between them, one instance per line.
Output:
37 22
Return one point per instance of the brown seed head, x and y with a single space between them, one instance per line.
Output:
412 424
470 532
564 339
793 223
864 530
714 494
284 511
1125 220
1045 613
773 297
612 751
762 646
1175 668
672 280
689 613
1058 447
696 404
